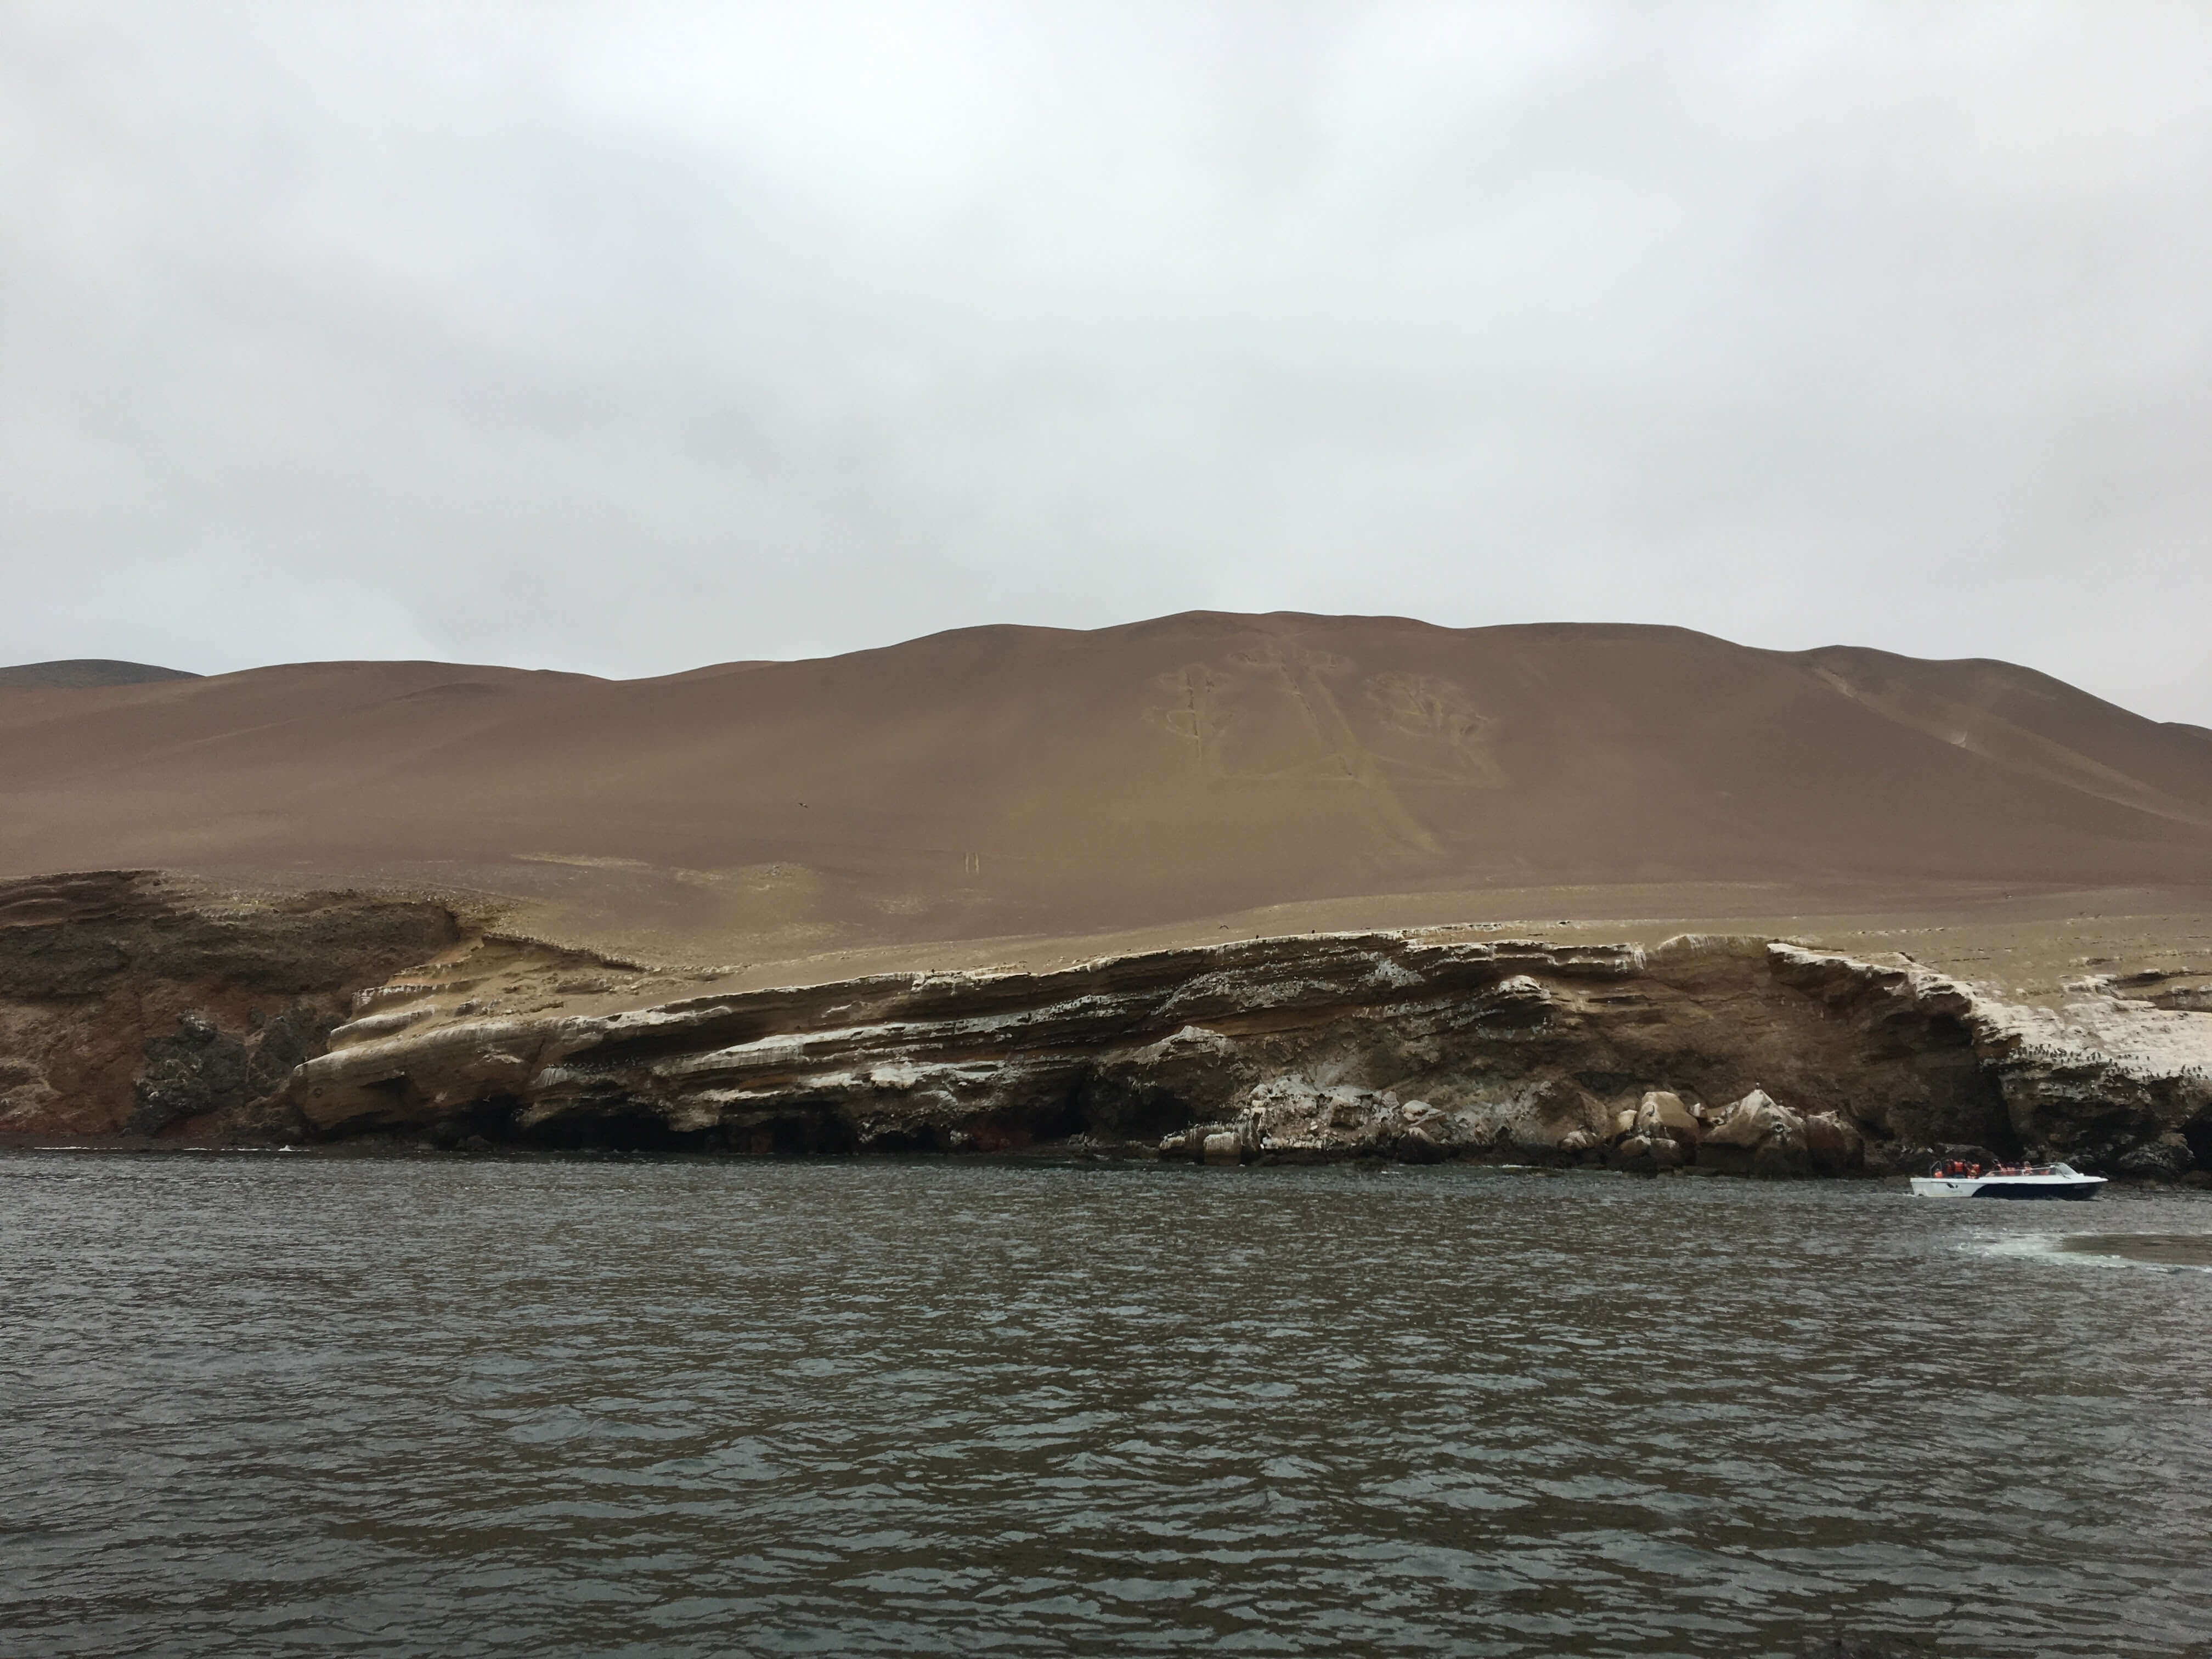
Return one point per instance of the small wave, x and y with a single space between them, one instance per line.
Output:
2163 1252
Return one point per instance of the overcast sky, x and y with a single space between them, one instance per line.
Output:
630 336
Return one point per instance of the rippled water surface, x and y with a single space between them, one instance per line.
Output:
293 1406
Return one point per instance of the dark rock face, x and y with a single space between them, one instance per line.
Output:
129 1006
200 1069
282 1045
2163 1159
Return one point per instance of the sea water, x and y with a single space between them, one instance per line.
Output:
268 1405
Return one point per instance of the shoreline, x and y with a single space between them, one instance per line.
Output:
1039 1157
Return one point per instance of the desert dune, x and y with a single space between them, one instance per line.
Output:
1010 782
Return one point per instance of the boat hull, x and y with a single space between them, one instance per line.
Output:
2073 1189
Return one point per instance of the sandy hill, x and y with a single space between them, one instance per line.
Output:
77 673
1012 780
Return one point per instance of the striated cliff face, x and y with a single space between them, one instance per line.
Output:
1359 1044
1738 1055
126 1014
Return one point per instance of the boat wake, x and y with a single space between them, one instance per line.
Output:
2164 1252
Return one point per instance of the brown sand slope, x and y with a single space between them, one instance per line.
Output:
1018 780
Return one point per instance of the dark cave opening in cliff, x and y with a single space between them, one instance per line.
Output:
1114 1109
808 1135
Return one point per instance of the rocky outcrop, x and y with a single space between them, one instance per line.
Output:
2120 1086
131 1006
1739 1055
1709 1054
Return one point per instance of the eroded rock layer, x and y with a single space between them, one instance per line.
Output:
128 1012
130 1005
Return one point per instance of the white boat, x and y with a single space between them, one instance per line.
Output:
2012 1180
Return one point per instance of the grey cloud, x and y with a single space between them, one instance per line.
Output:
630 338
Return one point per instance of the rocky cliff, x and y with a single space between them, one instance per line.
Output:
128 1011
131 1005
